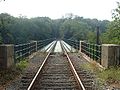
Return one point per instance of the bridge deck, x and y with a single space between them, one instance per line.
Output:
77 59
37 60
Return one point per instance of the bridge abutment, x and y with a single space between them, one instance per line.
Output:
6 56
110 55
106 55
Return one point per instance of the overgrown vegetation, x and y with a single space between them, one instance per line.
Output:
105 76
22 64
10 74
110 75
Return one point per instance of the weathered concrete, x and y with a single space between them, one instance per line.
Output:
6 56
110 55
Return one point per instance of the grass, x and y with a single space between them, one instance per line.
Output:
10 74
104 76
111 75
22 64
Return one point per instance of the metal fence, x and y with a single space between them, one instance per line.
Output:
92 50
24 50
43 43
73 43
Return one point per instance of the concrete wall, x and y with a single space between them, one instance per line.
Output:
110 55
6 56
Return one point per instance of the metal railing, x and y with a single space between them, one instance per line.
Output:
92 50
74 43
24 50
43 43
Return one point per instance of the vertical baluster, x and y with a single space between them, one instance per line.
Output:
93 51
90 53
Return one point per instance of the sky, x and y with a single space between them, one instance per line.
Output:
99 9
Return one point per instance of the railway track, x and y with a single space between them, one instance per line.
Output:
30 73
58 73
87 78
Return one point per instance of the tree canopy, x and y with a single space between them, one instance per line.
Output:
21 29
112 35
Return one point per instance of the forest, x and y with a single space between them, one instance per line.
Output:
16 30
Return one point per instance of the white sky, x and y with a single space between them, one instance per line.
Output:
100 9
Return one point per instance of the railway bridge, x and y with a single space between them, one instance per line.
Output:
61 67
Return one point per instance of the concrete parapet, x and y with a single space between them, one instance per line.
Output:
6 56
110 55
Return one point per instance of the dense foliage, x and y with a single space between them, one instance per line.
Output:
20 30
82 29
112 35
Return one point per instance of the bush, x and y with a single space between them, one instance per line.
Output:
22 64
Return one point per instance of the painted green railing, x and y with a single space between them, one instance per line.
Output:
73 43
24 50
92 50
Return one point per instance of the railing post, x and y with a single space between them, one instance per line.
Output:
6 56
110 55
90 50
35 45
80 49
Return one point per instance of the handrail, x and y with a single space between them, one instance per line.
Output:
24 50
73 43
92 50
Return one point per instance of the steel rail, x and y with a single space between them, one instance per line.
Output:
81 86
39 70
48 47
66 46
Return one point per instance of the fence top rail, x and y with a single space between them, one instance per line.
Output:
45 40
32 42
21 44
72 40
91 44
18 45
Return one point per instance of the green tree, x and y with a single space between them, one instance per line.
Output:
113 33
22 30
74 29
5 22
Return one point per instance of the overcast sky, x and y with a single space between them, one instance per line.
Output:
100 9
